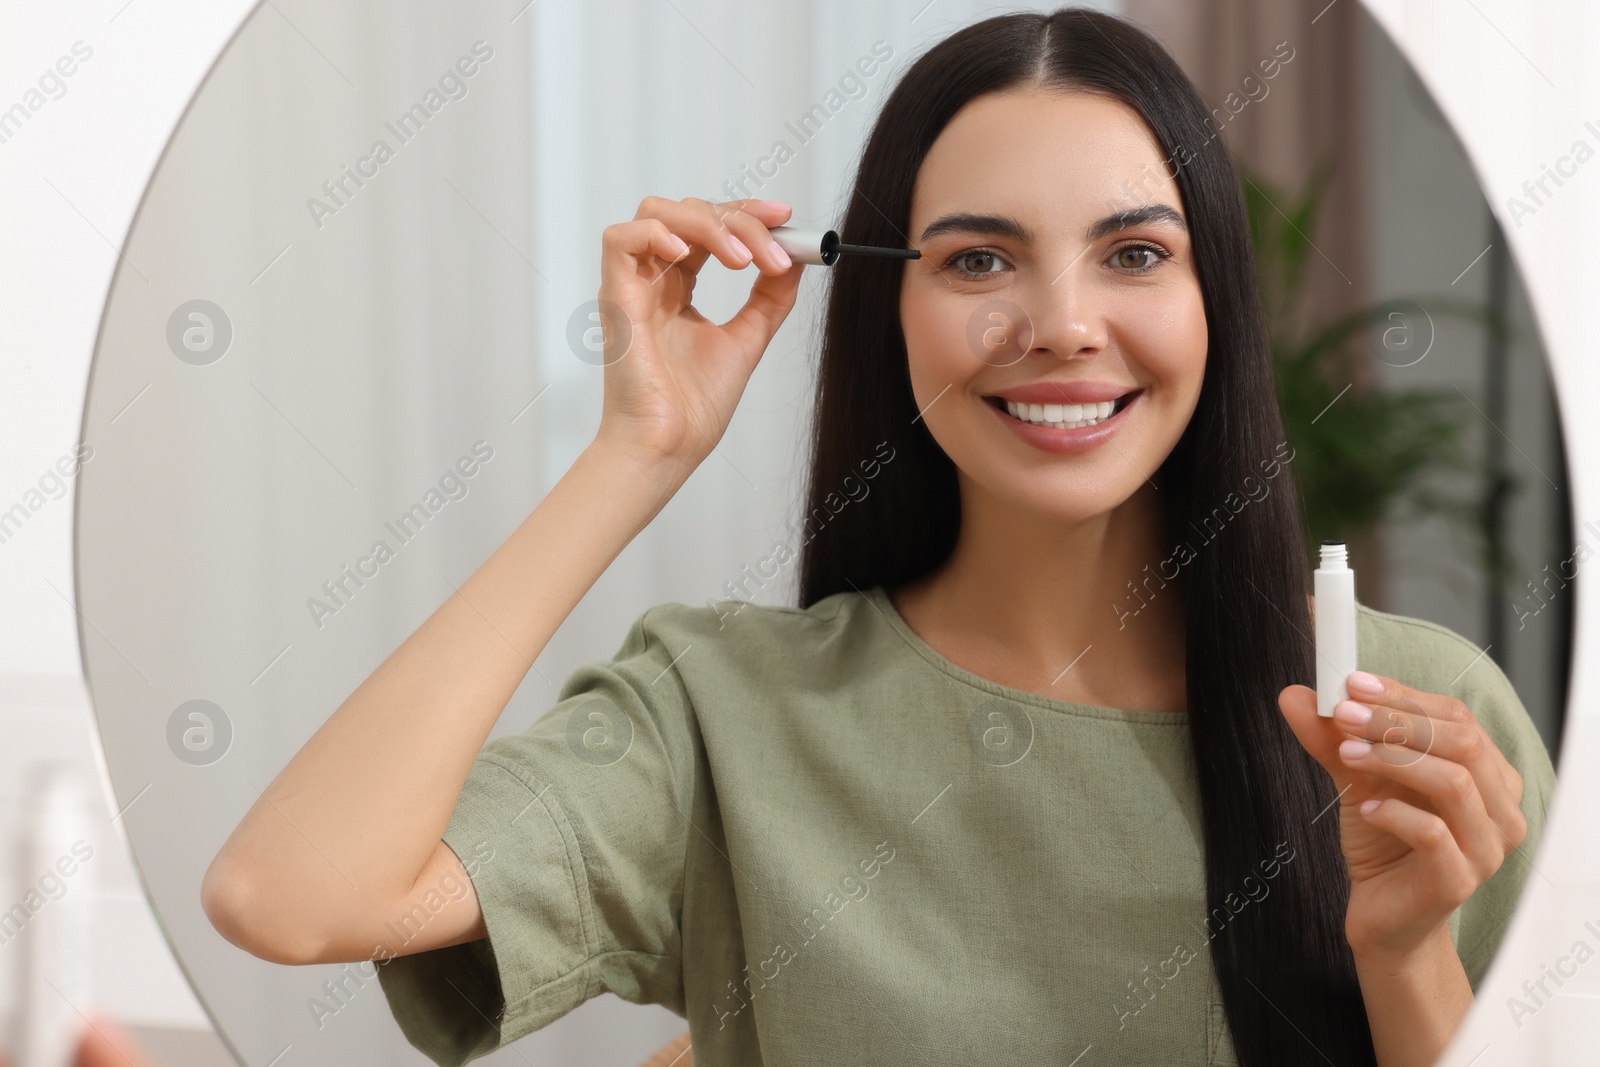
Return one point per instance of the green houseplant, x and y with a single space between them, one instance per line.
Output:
1363 455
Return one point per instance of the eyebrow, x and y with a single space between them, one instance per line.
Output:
1006 226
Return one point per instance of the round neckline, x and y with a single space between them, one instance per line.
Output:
879 597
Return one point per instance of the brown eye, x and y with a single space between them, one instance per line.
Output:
964 262
1138 258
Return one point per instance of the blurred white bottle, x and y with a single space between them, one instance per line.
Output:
57 895
1334 587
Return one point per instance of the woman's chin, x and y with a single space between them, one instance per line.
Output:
1066 502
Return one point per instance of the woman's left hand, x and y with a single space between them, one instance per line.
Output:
1428 806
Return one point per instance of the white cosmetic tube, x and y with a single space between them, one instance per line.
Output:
824 248
807 246
1334 588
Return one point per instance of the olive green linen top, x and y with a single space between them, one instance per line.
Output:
823 843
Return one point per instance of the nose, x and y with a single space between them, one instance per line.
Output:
1066 313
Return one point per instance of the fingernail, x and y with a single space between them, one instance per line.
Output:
781 256
1352 714
776 205
1348 711
1366 683
681 245
739 249
1354 748
1369 806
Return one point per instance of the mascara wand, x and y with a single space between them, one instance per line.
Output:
823 248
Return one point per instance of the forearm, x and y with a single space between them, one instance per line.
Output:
1415 1004
347 825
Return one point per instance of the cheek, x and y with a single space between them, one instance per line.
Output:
935 328
1171 342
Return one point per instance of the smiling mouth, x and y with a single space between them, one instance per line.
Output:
1062 416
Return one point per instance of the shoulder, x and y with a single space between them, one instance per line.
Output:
724 643
713 659
1425 655
700 653
735 623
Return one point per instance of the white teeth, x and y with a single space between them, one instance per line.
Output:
1062 416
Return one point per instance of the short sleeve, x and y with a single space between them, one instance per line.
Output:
574 833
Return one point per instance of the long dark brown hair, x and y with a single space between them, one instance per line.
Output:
1246 609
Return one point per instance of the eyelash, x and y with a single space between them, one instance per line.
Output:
1160 253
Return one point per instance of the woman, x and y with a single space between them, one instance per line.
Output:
1029 775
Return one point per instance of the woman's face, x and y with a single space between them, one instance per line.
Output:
1056 271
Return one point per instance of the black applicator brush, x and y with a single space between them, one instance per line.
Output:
822 247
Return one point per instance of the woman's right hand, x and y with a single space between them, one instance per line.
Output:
672 376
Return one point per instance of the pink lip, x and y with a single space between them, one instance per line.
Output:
1069 442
